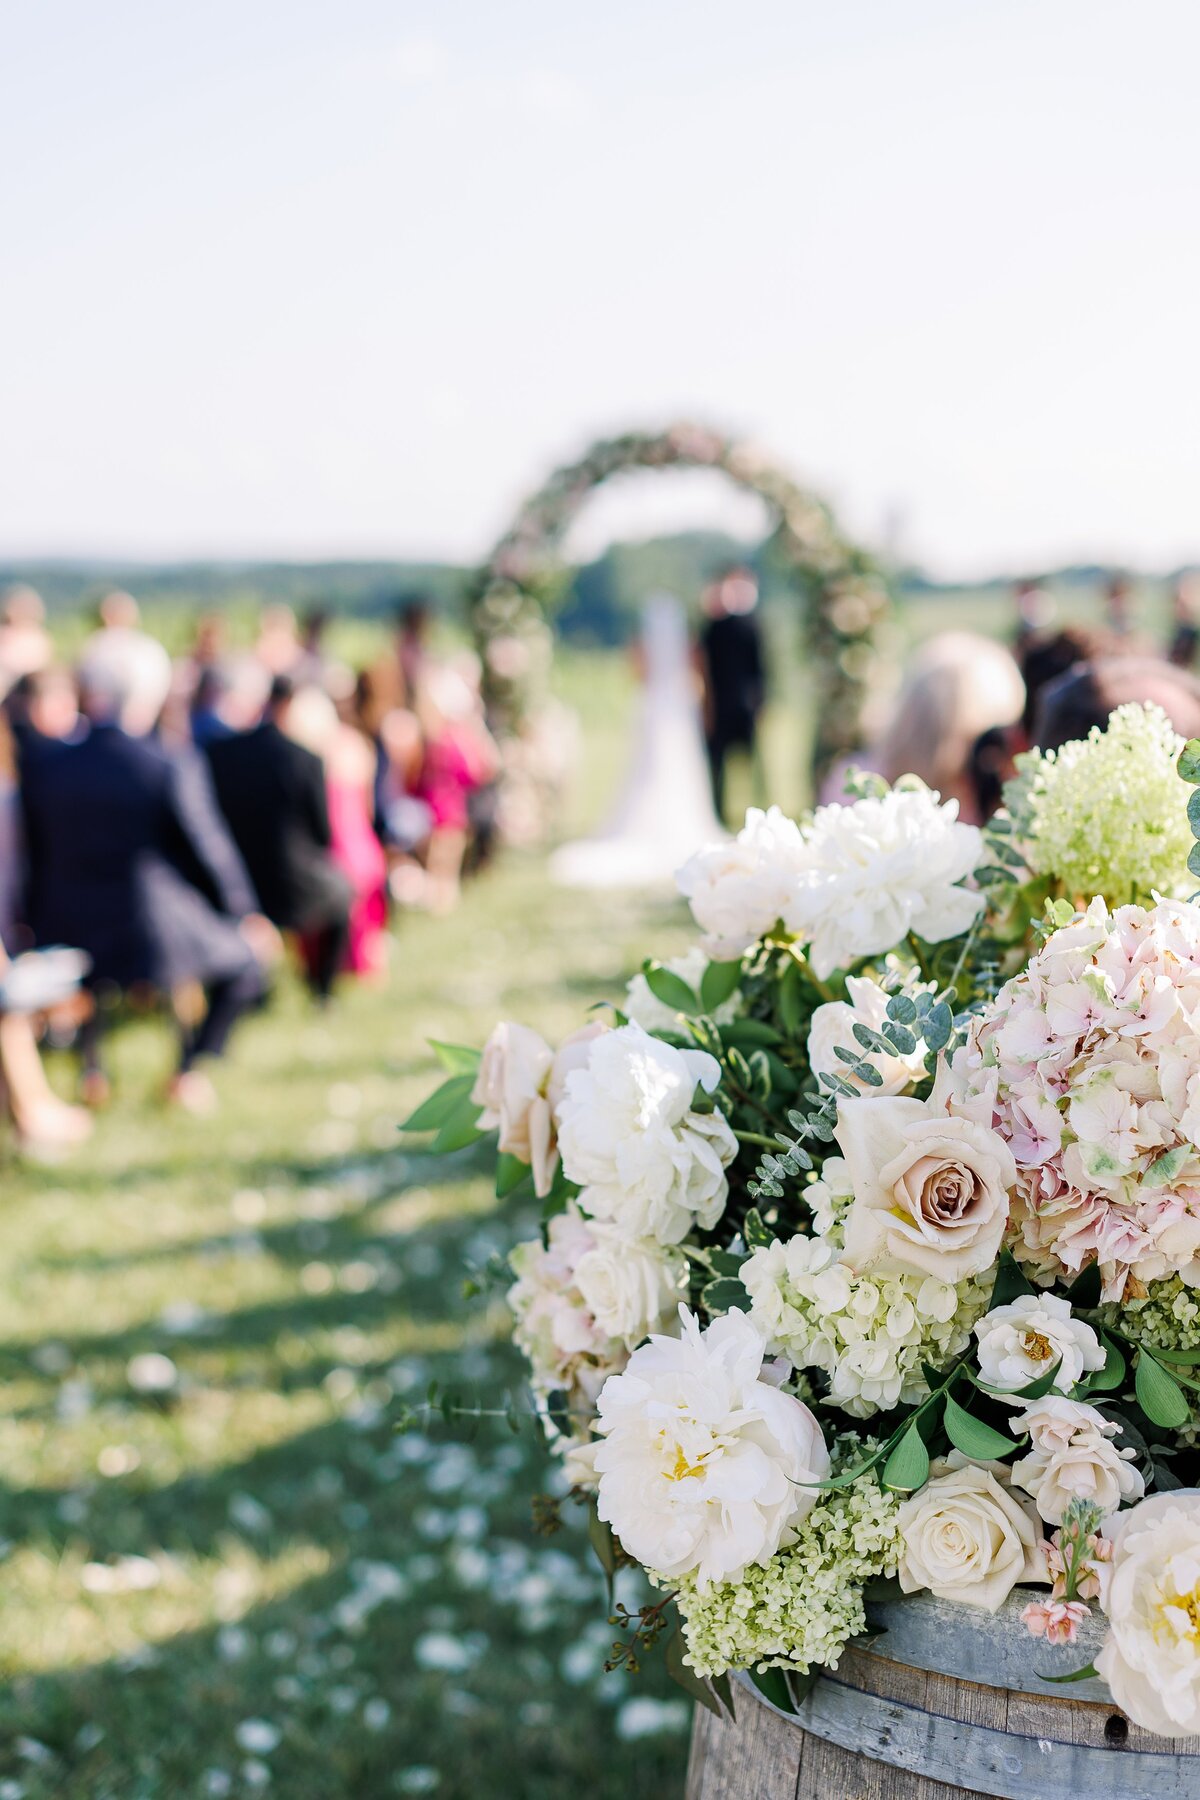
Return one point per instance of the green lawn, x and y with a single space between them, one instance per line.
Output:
251 1582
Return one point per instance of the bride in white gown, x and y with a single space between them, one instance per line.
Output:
664 812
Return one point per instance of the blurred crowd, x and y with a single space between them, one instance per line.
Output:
169 830
967 705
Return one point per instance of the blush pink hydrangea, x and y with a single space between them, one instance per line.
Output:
1088 1065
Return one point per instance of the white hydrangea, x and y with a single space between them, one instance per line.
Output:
645 1008
869 1335
629 1136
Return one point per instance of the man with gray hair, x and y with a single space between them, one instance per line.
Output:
130 861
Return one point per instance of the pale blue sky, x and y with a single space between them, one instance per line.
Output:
305 279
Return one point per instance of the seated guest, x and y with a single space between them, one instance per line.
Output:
272 792
129 860
1087 694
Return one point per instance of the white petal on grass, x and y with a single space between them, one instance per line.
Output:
258 1737
646 1717
151 1373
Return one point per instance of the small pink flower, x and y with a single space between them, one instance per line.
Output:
1058 1621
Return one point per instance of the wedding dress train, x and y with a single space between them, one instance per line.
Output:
664 811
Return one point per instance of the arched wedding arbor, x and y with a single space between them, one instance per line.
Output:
846 600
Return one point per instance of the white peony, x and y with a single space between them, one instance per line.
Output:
629 1285
630 1138
518 1087
930 1188
705 1468
1071 1457
832 1029
874 871
1021 1342
966 1538
1151 1592
644 1008
740 888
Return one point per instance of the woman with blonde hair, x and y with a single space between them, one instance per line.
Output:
958 686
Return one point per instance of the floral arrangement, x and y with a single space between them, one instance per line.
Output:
871 1241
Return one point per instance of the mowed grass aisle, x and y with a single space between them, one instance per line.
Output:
223 1570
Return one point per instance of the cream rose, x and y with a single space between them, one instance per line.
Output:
1071 1457
832 1029
1021 1342
1151 1593
520 1085
931 1191
631 1286
967 1538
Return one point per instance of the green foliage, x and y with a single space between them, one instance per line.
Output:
1159 1394
907 1468
972 1436
668 987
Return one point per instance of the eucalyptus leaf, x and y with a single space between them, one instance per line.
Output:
1189 762
901 1009
1193 812
939 1024
1193 861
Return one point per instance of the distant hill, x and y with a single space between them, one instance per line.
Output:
600 605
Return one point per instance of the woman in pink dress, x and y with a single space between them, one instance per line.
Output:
349 760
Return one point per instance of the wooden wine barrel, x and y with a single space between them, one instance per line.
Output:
946 1701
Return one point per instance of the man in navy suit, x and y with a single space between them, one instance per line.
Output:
130 861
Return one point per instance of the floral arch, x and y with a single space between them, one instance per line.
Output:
518 588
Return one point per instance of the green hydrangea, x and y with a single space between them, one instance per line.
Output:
1168 1317
1108 814
803 1606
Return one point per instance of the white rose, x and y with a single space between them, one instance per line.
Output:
740 888
644 1008
628 1135
878 869
705 1468
510 1087
629 1285
930 1190
1071 1457
832 1029
1151 1593
966 1538
1021 1342
519 1085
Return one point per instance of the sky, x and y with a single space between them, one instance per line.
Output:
296 279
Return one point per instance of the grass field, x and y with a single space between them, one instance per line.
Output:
247 1581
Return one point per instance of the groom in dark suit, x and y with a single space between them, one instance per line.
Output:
734 680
